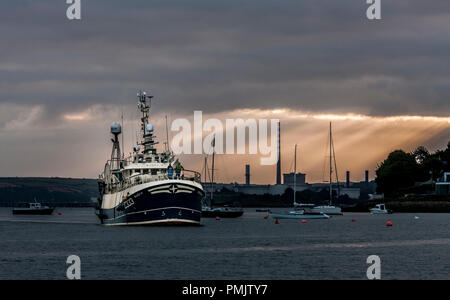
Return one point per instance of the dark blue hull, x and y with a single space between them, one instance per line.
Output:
177 204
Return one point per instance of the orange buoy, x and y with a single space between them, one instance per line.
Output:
265 217
304 221
389 223
276 221
217 218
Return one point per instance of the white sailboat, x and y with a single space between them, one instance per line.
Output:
299 208
330 209
300 211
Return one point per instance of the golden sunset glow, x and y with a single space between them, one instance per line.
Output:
361 142
75 117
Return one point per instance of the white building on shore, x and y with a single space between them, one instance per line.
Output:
443 186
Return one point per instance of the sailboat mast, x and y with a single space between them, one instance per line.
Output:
295 174
123 146
331 168
206 169
336 172
212 171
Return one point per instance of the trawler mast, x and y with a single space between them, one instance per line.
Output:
146 127
116 159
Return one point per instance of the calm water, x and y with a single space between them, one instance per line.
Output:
250 247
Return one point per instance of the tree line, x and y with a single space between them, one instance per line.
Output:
402 172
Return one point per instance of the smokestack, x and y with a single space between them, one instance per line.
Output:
279 156
247 174
367 176
348 179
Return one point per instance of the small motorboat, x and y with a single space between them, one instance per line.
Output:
33 209
380 209
298 216
222 212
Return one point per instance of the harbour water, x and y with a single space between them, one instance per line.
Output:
250 247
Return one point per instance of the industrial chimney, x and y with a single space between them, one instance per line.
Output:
348 179
247 174
279 156
367 177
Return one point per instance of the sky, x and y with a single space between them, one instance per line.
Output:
384 84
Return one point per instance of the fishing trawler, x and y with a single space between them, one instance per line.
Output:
147 188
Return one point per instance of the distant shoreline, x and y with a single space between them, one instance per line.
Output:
83 192
407 205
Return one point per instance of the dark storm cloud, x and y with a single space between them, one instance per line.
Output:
63 82
220 55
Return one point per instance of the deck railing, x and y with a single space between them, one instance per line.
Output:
146 178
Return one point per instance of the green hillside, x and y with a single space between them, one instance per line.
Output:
54 191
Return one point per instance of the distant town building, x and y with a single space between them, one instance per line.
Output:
443 186
352 193
376 196
352 190
261 189
288 179
249 189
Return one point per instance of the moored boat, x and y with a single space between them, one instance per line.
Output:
222 212
380 209
210 210
33 209
326 209
329 209
298 216
300 210
150 187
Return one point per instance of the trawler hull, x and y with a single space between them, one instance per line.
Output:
168 203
